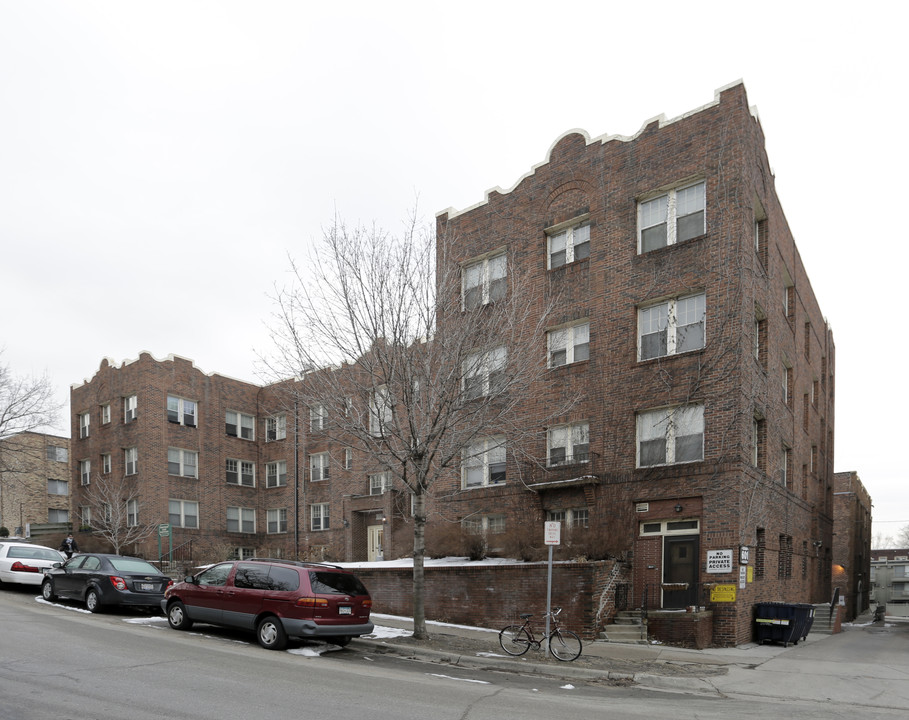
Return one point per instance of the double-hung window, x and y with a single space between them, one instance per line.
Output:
484 373
277 521
276 427
484 281
484 524
105 463
319 466
318 418
276 474
183 463
241 520
181 411
380 411
130 461
672 326
85 471
105 413
130 406
183 513
569 344
571 517
671 218
84 424
568 444
318 513
483 463
240 472
568 245
379 483
57 487
132 513
237 424
670 435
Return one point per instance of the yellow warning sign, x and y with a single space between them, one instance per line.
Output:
722 593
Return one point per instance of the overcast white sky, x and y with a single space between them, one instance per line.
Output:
158 160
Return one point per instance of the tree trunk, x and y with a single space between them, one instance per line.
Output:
419 552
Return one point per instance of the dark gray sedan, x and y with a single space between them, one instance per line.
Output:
100 579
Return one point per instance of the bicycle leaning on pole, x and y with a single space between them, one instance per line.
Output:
518 639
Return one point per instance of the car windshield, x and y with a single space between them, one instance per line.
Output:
34 553
336 583
133 565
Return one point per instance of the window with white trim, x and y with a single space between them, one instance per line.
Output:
670 435
568 245
484 281
348 458
57 487
243 553
276 520
130 461
181 411
568 444
570 517
319 466
183 513
483 463
569 344
484 372
380 411
379 483
130 408
132 513
671 327
85 516
183 463
84 424
276 427
484 524
105 463
318 418
318 515
670 527
105 413
85 471
671 218
241 520
237 424
276 474
240 472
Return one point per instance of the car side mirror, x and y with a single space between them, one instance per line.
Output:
191 579
57 565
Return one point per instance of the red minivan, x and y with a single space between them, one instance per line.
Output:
277 599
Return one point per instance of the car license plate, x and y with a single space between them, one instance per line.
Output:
344 610
148 587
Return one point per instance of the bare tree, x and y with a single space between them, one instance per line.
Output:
376 328
902 536
115 511
27 404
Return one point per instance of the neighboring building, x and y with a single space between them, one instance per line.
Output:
687 324
890 580
852 542
34 481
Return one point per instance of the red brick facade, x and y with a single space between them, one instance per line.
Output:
852 542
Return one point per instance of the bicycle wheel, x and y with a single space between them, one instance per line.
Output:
564 645
514 640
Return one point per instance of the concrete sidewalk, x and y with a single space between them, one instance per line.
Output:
865 665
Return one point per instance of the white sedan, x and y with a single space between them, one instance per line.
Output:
25 563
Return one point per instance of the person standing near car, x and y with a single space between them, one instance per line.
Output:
69 546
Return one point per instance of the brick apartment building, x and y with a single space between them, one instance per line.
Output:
34 481
687 324
851 571
702 444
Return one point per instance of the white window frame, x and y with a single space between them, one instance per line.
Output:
484 463
670 318
130 408
276 521
574 441
182 513
106 464
85 420
348 458
244 519
650 422
319 467
276 474
244 425
572 238
276 427
380 411
178 457
85 515
651 215
239 467
379 483
484 280
481 371
572 340
676 526
85 471
132 513
319 517
318 418
105 413
493 524
570 517
130 461
183 408
54 487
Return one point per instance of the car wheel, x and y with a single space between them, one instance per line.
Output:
177 617
340 640
93 601
47 591
270 633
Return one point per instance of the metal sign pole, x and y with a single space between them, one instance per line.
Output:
548 601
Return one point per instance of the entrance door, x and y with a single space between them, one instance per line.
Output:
680 568
375 542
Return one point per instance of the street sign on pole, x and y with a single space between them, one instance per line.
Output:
552 535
